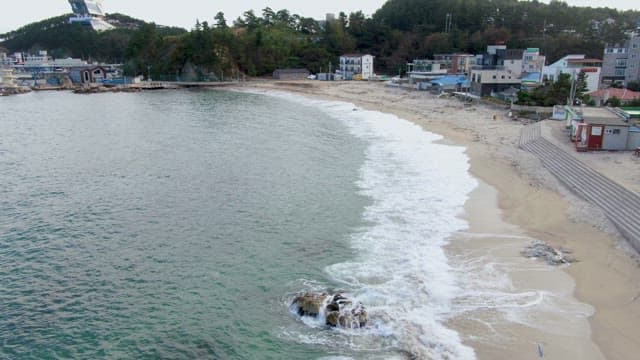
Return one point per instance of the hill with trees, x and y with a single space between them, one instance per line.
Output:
401 30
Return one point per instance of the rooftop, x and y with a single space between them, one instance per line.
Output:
612 121
354 55
622 94
581 61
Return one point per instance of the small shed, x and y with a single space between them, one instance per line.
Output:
87 74
604 133
291 74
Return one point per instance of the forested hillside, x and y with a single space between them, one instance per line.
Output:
256 44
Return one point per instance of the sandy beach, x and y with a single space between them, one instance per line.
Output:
518 201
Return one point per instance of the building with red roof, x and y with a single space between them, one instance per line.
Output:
601 96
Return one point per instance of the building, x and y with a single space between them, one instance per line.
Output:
496 71
291 74
455 63
574 65
621 62
602 133
533 61
488 82
601 96
428 67
356 67
445 61
462 63
42 59
89 13
511 61
614 64
90 74
632 73
577 115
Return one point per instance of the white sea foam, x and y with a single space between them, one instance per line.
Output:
419 189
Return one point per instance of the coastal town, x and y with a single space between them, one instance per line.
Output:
355 186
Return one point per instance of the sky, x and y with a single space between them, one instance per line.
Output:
184 13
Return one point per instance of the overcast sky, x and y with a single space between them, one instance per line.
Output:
183 13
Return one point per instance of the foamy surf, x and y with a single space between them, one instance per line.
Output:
418 188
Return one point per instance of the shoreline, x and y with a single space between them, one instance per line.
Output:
606 276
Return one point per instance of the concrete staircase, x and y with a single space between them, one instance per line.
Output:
620 205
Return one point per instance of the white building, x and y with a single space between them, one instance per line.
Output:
39 60
356 67
574 65
68 62
89 12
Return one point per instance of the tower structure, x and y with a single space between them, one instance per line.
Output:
90 13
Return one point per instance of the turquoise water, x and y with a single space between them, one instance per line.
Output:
170 224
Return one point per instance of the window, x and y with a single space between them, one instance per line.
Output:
502 77
616 131
493 76
619 72
621 62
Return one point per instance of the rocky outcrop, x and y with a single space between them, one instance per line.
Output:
551 255
336 309
310 304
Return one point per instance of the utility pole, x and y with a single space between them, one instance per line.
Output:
448 22
572 93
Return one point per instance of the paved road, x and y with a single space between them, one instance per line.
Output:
621 206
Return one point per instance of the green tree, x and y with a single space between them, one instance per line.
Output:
633 85
613 102
221 22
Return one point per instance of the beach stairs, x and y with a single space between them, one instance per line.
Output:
619 204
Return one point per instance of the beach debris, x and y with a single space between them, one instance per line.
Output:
552 256
337 310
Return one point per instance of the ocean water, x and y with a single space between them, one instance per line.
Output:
181 225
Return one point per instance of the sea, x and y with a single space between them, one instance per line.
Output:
182 224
